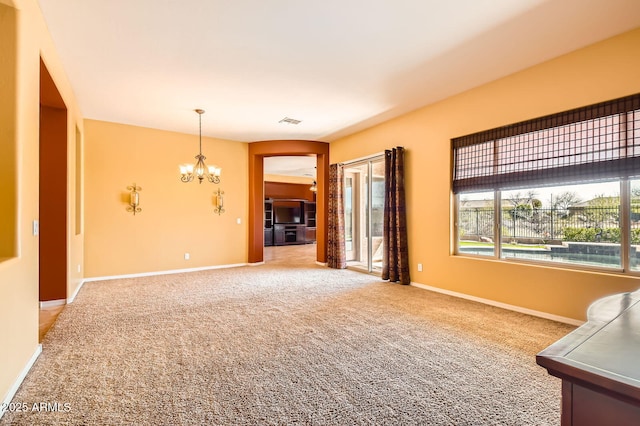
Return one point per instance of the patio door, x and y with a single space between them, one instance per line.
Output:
364 208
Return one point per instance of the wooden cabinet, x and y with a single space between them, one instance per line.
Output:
268 223
288 234
289 221
268 237
310 222
310 214
598 364
310 235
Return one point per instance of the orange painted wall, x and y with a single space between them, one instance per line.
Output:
53 204
600 72
24 41
176 217
288 190
8 140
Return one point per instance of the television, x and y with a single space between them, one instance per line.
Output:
287 214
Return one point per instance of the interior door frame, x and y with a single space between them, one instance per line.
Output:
257 152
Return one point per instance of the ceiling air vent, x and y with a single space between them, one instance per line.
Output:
289 121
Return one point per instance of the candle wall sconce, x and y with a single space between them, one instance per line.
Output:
219 202
134 199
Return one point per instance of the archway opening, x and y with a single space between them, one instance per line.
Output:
257 152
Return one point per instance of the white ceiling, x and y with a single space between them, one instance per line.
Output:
304 166
337 65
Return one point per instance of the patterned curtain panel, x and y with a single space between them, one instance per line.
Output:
395 259
336 255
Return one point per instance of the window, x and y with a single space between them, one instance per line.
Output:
575 224
563 188
476 223
634 219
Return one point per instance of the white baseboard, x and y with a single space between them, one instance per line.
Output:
321 263
12 391
173 271
75 293
52 303
515 308
256 263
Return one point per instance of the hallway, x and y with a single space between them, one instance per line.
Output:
295 254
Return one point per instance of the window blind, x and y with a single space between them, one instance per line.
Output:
591 143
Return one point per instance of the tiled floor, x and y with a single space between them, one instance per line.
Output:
47 318
295 253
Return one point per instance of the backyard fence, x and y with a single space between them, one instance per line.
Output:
524 223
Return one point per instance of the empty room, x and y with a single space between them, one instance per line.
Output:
291 212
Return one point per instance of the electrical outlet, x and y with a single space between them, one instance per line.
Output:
187 256
35 227
238 221
78 268
419 267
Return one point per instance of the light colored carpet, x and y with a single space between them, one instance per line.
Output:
294 345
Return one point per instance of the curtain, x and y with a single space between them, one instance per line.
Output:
336 255
395 260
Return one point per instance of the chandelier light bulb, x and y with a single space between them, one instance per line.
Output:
202 171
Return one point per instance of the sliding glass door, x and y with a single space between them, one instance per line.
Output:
364 205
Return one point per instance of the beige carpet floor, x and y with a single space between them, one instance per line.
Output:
279 345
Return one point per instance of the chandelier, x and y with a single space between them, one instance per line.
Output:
200 170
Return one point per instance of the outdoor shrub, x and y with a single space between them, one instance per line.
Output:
611 235
579 234
592 235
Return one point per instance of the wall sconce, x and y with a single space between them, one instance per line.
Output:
219 202
134 199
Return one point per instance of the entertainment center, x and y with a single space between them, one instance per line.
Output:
289 221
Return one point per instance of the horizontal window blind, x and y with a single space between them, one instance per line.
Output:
592 143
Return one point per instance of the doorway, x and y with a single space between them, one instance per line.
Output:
290 209
257 152
364 213
53 199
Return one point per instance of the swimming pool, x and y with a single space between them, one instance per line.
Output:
610 260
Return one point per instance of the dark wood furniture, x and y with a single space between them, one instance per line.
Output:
310 222
599 364
299 226
288 234
268 223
